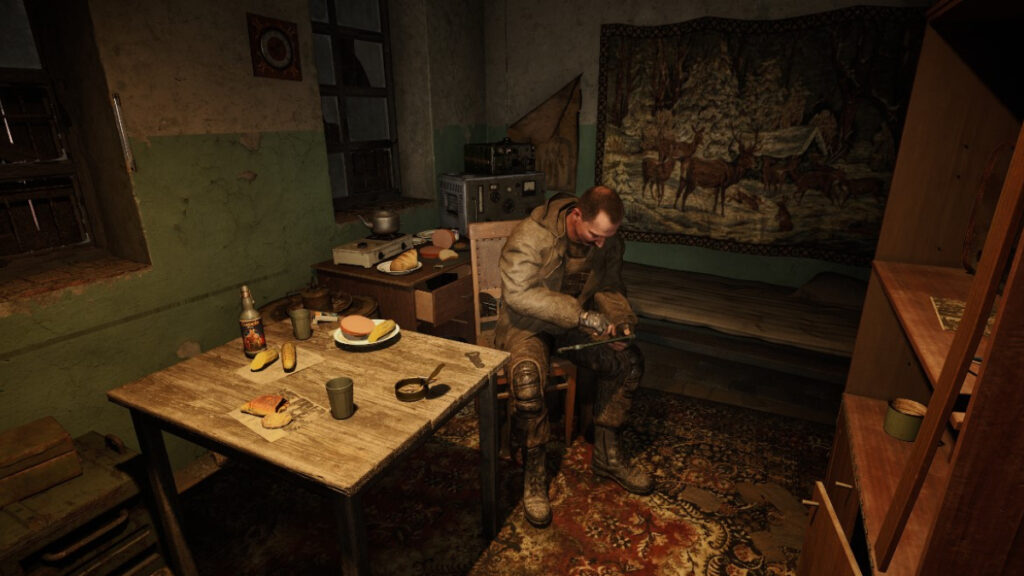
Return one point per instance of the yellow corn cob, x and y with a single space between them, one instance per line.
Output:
288 356
263 359
381 330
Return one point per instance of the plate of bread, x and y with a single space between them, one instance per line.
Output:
406 263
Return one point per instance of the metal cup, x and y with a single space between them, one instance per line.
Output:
301 323
339 392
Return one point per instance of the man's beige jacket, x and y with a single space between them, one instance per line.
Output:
532 266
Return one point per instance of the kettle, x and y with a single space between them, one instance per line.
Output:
384 222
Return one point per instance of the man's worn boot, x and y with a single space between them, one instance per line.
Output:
535 488
609 462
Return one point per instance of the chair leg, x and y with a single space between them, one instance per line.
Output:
505 438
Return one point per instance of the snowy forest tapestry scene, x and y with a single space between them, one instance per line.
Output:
767 137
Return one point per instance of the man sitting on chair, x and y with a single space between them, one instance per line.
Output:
561 285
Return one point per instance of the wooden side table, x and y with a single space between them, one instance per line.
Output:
436 299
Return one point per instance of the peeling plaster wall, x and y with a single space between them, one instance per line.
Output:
184 67
456 59
532 48
232 189
411 70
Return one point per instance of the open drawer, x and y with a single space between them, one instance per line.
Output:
445 296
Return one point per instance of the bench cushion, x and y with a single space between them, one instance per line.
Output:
822 316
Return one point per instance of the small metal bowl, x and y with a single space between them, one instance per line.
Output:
412 389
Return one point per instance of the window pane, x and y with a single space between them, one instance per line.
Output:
332 118
27 129
362 14
370 56
17 46
336 169
367 118
324 58
39 214
371 171
318 11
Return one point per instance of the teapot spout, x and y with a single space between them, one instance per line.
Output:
365 221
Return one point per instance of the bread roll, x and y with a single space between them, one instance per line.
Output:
276 420
406 261
448 255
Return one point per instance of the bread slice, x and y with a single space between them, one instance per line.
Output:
266 404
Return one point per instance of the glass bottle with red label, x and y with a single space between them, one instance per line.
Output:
251 323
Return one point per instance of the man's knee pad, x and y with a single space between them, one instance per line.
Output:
528 387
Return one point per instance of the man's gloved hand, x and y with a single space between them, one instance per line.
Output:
594 321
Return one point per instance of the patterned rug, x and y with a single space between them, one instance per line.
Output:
729 485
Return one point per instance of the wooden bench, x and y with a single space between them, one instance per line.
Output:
808 330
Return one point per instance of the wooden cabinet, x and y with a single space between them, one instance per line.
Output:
952 501
436 299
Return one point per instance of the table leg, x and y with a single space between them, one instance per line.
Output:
488 406
164 492
352 534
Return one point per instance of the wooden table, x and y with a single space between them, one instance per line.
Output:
198 400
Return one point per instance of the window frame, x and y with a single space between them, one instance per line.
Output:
344 145
42 170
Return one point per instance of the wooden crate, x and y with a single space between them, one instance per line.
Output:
34 457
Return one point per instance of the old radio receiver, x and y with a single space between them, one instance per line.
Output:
466 198
505 157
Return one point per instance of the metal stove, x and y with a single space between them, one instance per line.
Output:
372 249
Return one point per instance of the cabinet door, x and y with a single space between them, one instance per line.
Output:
839 479
826 550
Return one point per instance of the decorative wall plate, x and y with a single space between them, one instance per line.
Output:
274 45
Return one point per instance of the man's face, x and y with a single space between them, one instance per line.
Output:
593 232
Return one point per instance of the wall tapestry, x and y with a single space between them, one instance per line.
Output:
765 137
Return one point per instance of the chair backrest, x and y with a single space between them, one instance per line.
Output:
486 239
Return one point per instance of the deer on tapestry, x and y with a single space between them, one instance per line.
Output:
828 180
657 171
716 174
774 171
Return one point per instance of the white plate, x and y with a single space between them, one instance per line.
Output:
385 267
340 338
426 234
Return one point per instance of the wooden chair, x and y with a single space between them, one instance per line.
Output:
486 239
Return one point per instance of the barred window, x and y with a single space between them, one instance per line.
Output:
353 58
40 202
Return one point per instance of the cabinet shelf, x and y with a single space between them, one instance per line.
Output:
909 288
878 461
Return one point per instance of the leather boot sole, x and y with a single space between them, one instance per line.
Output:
604 473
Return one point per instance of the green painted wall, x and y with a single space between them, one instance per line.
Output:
216 215
449 143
